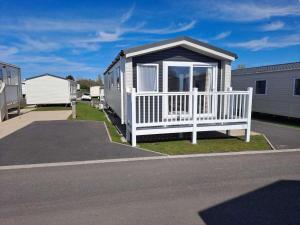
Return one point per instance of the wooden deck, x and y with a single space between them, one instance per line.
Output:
181 112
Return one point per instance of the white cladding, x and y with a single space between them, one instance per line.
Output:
279 98
113 88
95 91
48 89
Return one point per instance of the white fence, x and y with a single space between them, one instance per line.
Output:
9 98
188 109
2 102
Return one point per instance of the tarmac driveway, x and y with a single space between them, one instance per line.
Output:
62 141
281 137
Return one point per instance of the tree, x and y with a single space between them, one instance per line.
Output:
85 84
70 77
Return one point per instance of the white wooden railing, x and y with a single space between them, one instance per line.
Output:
9 98
188 108
3 109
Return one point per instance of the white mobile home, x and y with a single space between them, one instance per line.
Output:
95 91
176 86
49 89
10 89
276 88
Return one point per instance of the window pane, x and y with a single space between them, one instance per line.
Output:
260 87
1 74
147 79
297 87
200 78
178 78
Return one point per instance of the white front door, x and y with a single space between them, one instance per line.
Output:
180 78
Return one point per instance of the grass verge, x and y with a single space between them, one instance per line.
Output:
86 112
232 144
177 147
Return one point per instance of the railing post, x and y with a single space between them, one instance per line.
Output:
133 117
5 102
195 99
228 105
249 111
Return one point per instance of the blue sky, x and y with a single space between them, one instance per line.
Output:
82 37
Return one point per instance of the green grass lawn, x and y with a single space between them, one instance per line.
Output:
86 112
258 142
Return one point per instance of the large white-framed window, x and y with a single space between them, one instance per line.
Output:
147 77
297 86
184 76
261 87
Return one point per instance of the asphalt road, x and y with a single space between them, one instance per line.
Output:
62 141
257 189
281 137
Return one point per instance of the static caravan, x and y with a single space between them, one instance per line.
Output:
10 89
95 91
178 85
49 89
276 88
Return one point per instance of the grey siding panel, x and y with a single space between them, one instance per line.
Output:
280 99
173 54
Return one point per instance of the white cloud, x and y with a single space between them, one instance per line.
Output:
170 29
222 35
269 43
273 26
245 11
30 44
6 51
126 16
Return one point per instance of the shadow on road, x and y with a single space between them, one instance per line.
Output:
276 204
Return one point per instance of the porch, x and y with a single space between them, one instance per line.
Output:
187 112
9 99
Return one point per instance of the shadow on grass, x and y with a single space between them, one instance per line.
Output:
274 204
185 136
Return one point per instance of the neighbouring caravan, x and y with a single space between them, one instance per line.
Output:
276 88
10 89
180 85
49 89
95 91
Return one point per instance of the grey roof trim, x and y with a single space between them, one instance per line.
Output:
168 41
120 54
46 74
267 69
7 64
182 38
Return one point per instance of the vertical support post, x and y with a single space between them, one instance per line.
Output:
195 99
249 111
133 117
229 105
5 103
73 103
19 99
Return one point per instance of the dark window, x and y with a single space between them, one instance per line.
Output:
297 87
1 74
260 87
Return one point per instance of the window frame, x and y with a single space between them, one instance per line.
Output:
138 65
118 77
294 87
266 87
